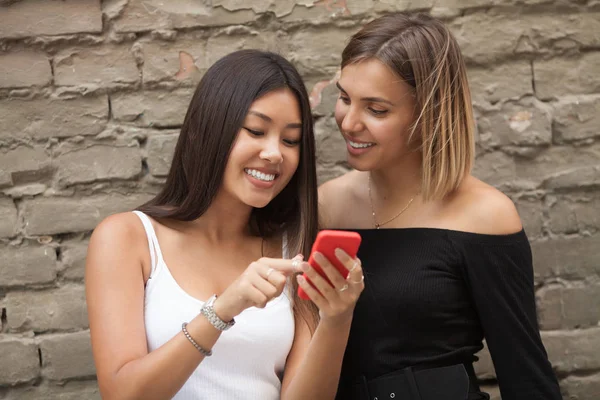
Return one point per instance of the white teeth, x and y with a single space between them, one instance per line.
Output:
259 175
360 145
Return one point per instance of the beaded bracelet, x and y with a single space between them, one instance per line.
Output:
206 353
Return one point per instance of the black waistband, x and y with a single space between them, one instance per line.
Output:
454 382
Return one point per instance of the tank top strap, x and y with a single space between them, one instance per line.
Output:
155 253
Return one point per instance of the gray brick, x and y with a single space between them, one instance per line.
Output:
162 60
531 212
571 306
84 165
73 390
527 123
41 311
103 66
576 118
24 68
45 118
19 361
140 16
8 218
581 387
324 54
52 215
160 153
568 215
73 259
26 164
27 264
66 356
500 82
152 108
33 18
571 351
576 257
560 77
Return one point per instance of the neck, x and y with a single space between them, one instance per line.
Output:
224 220
397 182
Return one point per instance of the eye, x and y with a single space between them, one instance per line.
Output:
344 99
377 112
253 132
291 143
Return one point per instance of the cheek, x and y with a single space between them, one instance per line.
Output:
340 112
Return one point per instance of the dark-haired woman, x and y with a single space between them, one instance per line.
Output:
189 296
446 260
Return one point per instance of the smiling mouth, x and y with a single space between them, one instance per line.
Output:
356 145
261 176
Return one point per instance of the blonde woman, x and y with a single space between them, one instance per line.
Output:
445 257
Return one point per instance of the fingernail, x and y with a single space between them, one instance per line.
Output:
305 266
319 257
300 278
299 256
340 253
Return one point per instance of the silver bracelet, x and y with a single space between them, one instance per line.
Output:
206 353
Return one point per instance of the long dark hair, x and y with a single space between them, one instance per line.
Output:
213 119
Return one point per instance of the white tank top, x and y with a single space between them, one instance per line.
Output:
248 360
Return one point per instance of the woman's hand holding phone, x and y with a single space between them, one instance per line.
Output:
324 283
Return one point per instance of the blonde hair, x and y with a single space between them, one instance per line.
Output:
424 53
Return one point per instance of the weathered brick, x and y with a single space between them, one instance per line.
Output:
223 44
549 307
569 216
24 68
160 153
71 390
330 144
491 36
500 82
575 178
278 7
323 56
532 215
140 16
27 264
576 257
26 164
401 5
152 108
8 218
19 361
40 311
45 118
67 356
33 18
527 122
72 265
163 60
565 76
573 350
576 118
82 165
581 387
102 66
547 167
52 215
575 305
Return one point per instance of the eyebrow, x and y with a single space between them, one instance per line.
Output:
293 125
373 99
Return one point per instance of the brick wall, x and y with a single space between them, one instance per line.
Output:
92 95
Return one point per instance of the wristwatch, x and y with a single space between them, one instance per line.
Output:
209 312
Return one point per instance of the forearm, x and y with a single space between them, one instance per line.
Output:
161 373
319 372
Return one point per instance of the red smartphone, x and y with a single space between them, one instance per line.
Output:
326 243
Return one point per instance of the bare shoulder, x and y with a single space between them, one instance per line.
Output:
336 196
484 209
121 234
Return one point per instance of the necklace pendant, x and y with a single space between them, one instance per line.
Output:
377 226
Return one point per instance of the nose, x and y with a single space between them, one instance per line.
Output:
351 121
271 152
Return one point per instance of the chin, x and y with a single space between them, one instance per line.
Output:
361 165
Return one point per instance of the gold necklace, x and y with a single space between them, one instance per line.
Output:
377 226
